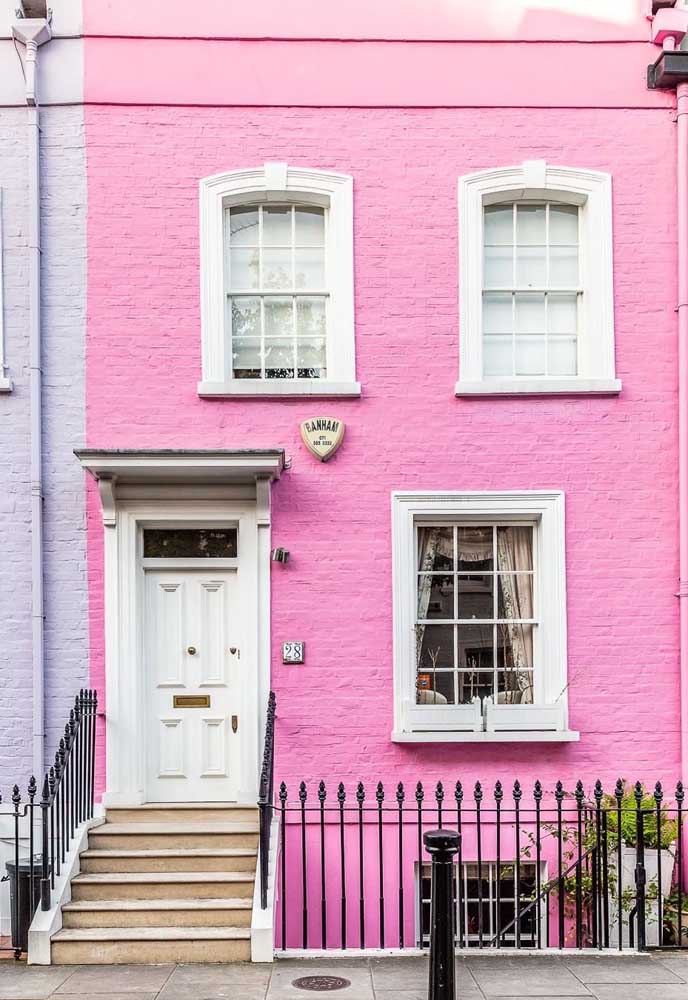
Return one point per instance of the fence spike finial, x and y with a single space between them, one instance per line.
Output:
401 795
478 792
498 792
638 793
322 793
360 793
659 794
458 792
518 793
537 791
420 794
282 793
32 788
680 793
598 792
341 793
380 793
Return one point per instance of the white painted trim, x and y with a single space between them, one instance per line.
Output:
280 387
536 179
512 736
277 182
123 636
429 723
486 954
539 387
263 921
46 923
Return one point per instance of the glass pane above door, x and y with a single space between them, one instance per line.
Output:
190 543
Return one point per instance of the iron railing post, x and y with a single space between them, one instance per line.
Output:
442 845
45 868
640 874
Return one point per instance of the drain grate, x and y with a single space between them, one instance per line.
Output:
321 984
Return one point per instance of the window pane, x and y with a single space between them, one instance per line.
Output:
530 313
245 317
497 313
563 266
515 654
435 688
435 596
499 225
310 358
475 549
473 684
310 317
277 225
310 268
310 226
563 224
277 268
562 313
515 548
279 317
563 356
530 224
190 543
435 549
498 267
476 596
531 268
476 647
279 359
498 356
434 648
515 595
246 358
243 269
530 356
243 227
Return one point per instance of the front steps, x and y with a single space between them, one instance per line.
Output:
163 883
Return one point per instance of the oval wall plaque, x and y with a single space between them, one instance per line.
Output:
322 436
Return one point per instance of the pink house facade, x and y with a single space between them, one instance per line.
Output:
451 237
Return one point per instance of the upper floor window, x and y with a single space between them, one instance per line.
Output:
536 298
277 283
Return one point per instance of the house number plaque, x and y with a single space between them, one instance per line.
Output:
322 436
191 701
292 652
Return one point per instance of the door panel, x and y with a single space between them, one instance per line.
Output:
192 754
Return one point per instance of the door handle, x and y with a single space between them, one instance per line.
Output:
235 723
191 650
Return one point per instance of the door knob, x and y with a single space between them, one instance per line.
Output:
191 650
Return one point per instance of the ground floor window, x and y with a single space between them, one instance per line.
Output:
485 899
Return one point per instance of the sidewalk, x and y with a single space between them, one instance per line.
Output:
660 977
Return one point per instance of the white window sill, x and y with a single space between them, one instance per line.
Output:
5 385
539 387
279 387
522 736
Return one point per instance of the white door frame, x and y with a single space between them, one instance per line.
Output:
125 758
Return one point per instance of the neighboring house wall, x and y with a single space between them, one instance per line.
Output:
63 209
614 457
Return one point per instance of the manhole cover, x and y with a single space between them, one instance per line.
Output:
321 984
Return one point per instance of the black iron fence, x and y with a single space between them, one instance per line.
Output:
266 799
543 868
49 823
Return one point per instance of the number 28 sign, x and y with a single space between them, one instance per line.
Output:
292 652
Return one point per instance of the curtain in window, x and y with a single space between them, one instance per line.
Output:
514 553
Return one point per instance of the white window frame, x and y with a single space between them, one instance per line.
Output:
278 182
5 382
546 720
536 180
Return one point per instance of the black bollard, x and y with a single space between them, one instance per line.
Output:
442 845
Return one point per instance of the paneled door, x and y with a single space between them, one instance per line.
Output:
191 686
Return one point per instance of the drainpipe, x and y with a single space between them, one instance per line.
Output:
682 224
32 32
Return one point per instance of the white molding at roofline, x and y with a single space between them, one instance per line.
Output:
275 182
591 190
549 721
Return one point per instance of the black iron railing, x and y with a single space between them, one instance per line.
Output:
266 799
66 801
539 869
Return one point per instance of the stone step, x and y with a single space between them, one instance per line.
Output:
195 859
149 945
230 912
183 812
162 885
170 836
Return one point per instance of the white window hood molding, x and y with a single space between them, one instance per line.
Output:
212 467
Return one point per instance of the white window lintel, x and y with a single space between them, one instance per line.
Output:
537 180
277 182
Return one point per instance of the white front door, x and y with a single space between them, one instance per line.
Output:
191 653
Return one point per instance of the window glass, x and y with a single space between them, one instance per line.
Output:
277 291
475 614
531 292
190 543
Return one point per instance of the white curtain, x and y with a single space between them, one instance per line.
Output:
514 552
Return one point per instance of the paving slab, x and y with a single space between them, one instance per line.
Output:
112 979
678 964
358 974
645 991
242 981
525 976
630 969
31 982
412 973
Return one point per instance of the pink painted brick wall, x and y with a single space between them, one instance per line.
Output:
616 458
